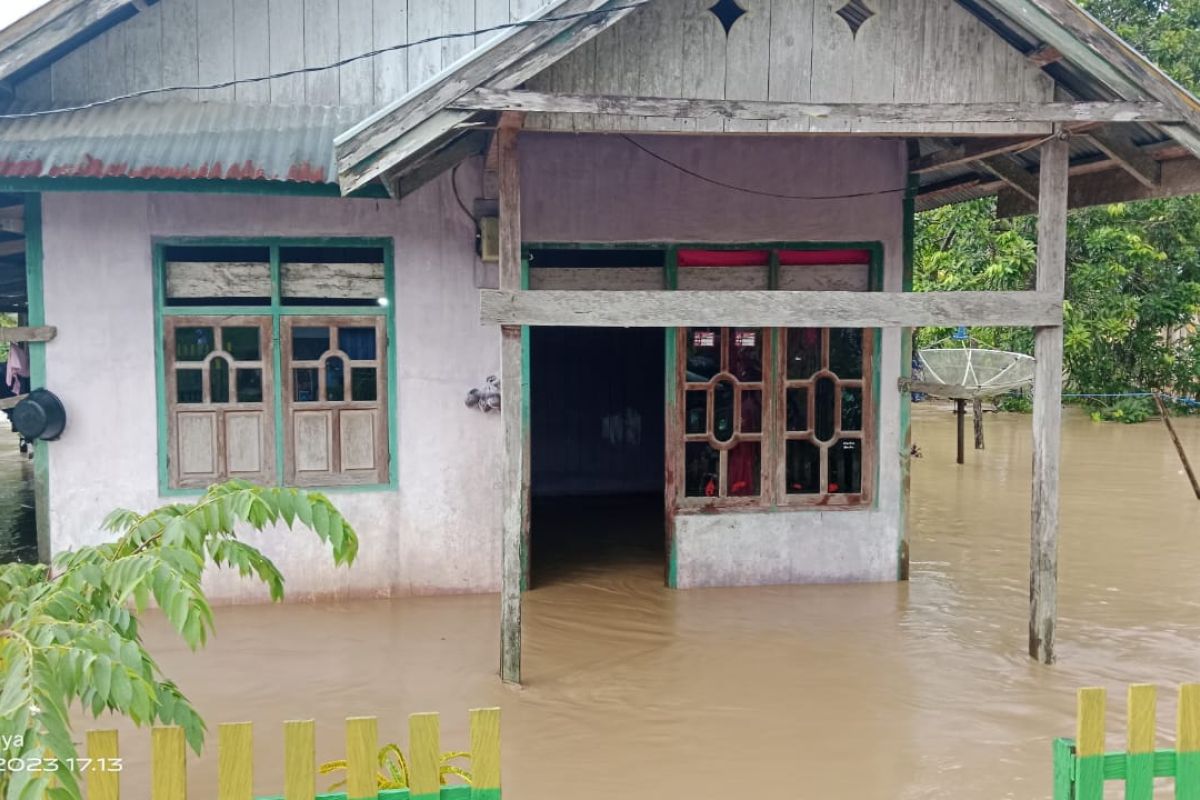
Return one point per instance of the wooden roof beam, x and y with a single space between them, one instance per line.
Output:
1118 146
1179 177
1044 55
929 196
777 110
966 151
1009 170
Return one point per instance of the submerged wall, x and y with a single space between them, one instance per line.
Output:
438 532
596 188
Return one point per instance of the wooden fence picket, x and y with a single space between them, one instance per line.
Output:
425 755
168 764
1139 771
1187 744
1089 745
299 760
362 748
235 761
103 777
485 754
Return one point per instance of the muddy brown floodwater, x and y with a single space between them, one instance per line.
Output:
916 690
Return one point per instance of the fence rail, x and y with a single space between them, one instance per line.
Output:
235 762
1082 765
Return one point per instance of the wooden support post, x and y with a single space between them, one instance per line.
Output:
512 402
1187 465
1047 402
960 414
977 414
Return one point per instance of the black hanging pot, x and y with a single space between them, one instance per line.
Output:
39 416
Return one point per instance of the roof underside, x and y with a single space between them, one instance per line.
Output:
966 181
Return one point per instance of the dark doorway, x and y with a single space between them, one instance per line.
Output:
597 438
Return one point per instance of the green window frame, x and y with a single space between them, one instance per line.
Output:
278 316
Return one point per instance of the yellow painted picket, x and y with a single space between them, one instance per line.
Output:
235 762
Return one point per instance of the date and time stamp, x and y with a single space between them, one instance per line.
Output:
50 765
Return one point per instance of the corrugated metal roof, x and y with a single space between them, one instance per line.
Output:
177 140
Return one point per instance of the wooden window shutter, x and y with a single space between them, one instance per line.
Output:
220 400
335 400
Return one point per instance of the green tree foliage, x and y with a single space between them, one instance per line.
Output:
1133 269
69 633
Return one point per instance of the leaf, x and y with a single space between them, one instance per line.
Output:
320 519
122 689
101 677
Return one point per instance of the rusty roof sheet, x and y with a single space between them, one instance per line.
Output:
177 140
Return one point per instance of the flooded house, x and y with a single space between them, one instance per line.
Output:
664 247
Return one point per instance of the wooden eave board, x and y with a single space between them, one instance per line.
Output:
51 31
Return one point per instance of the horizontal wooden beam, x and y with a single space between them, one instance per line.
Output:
12 247
11 402
41 333
1179 177
775 309
687 108
968 151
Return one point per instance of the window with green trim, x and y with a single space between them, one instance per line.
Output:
275 363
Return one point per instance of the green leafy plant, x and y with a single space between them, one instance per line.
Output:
1130 410
393 768
69 633
1016 402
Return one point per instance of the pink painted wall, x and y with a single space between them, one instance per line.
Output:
602 188
439 532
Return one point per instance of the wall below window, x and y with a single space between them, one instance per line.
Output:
770 547
438 532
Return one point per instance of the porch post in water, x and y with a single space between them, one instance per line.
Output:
511 403
1047 401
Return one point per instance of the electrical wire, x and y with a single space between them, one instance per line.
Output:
527 23
758 192
457 196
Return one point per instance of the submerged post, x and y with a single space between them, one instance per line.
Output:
977 418
1047 401
960 413
511 411
1187 465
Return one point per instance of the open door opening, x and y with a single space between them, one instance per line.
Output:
597 440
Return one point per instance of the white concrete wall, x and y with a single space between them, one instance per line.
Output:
439 532
597 188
